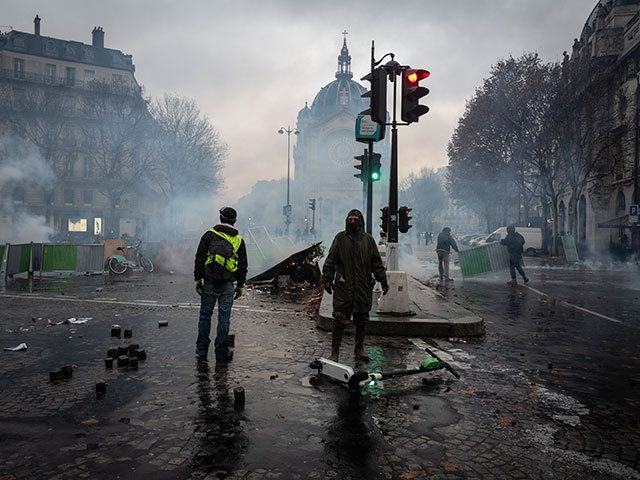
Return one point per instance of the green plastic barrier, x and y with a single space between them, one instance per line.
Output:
59 257
25 256
474 261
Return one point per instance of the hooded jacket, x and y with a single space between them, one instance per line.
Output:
352 260
200 272
515 245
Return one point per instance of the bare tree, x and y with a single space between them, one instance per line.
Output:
42 118
116 135
191 153
424 193
583 123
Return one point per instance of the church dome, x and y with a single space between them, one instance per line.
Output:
343 92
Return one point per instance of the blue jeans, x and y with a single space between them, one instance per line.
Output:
212 292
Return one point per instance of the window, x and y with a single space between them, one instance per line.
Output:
77 224
19 97
18 68
87 167
18 194
116 80
68 197
89 77
68 103
88 197
49 73
493 238
97 226
71 76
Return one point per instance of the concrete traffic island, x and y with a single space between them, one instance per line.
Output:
435 316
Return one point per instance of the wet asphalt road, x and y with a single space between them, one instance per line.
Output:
550 392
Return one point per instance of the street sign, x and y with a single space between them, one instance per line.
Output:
367 129
633 213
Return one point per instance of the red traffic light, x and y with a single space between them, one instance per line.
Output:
414 76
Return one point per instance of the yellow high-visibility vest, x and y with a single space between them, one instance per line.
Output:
230 264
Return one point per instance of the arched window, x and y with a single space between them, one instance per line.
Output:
582 215
621 204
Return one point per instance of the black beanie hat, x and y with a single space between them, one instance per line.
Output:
228 215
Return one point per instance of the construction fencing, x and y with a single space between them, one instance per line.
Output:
483 259
43 257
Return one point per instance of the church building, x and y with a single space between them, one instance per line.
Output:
324 157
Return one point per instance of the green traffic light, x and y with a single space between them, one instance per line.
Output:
375 175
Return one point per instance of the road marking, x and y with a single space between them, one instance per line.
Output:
582 309
137 304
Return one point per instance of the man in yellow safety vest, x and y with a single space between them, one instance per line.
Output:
221 259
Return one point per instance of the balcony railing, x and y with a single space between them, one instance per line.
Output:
56 81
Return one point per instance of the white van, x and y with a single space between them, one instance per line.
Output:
532 238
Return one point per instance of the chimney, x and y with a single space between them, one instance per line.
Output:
36 25
98 37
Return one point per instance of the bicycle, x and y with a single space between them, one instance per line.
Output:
118 264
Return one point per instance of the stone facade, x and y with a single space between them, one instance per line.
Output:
610 40
49 80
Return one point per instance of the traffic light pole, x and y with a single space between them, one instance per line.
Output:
392 234
369 189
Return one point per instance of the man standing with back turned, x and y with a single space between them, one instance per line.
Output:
221 258
347 273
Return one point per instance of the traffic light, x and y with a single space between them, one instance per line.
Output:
374 169
384 226
378 97
403 219
362 166
412 93
312 203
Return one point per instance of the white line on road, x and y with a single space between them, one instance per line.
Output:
137 303
582 309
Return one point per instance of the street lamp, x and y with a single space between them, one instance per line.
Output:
287 208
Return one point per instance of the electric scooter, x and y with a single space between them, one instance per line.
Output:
355 381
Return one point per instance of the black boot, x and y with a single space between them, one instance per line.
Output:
336 338
358 351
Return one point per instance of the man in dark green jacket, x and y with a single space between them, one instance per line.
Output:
348 272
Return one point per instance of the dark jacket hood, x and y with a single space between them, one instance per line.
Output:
351 213
226 228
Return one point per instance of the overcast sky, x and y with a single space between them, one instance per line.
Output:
251 65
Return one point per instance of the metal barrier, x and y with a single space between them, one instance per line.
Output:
483 259
32 257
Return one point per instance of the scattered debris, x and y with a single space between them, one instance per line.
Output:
19 348
75 321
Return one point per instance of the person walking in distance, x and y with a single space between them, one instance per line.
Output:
349 270
220 260
515 245
445 243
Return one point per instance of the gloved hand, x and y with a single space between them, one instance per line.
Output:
238 293
385 286
198 286
328 287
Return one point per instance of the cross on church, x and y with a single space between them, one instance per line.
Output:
344 97
345 35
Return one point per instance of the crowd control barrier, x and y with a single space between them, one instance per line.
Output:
483 259
43 257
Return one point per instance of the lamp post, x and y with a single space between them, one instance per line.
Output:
287 208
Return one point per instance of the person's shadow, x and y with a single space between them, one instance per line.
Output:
350 445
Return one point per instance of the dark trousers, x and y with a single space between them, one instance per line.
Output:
515 264
212 293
